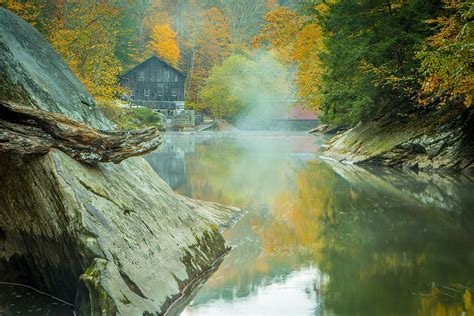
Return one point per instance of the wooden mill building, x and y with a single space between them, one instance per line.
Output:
156 84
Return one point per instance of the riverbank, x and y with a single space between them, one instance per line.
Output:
100 231
440 140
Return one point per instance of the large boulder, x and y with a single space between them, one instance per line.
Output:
441 140
113 238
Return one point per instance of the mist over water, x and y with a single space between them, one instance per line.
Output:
267 89
322 238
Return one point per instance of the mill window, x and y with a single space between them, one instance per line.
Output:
147 92
141 75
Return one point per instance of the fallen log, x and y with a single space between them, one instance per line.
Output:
26 131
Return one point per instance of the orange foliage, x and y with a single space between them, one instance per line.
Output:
296 41
446 57
307 46
163 43
279 31
88 46
212 46
27 10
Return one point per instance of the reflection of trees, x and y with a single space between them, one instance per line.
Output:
234 175
386 245
379 237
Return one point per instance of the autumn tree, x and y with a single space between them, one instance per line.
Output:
29 10
447 56
297 40
210 48
163 43
279 31
244 17
87 43
306 52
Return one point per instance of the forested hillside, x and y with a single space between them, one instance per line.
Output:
361 59
350 60
100 39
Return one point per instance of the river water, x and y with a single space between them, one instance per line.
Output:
318 238
322 238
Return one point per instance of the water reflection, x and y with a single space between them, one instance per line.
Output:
324 238
20 300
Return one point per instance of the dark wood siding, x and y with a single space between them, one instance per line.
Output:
154 80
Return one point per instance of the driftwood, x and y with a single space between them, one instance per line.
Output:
25 131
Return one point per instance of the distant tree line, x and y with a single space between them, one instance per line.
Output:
358 60
350 60
100 39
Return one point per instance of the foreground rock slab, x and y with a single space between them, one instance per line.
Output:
92 232
113 238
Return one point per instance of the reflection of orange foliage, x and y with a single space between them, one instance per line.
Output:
298 214
433 304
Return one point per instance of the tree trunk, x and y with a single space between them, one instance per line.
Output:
26 131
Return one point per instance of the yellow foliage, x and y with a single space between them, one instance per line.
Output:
308 45
279 31
209 48
163 43
467 298
27 10
446 57
88 44
296 40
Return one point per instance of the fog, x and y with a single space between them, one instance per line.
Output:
266 88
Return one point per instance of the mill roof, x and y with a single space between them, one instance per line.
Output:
159 59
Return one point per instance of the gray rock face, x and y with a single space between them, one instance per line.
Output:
114 238
33 74
424 143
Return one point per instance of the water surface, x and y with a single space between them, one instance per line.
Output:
319 238
322 238
23 300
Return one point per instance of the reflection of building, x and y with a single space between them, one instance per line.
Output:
168 161
169 166
156 84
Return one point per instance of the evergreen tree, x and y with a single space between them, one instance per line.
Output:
369 58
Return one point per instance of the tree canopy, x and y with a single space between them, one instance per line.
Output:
349 60
242 85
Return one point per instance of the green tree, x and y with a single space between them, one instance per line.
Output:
447 56
240 85
369 57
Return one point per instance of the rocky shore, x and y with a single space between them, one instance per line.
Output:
433 141
111 237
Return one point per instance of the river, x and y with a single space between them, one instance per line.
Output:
318 237
322 238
